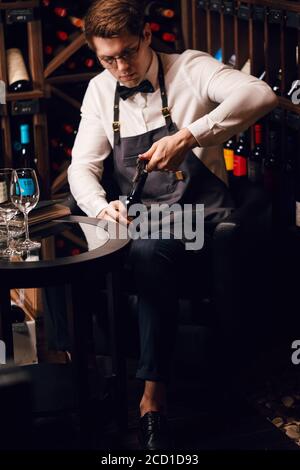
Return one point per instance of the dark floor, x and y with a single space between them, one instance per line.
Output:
203 414
201 420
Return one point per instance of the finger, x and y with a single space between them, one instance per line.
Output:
112 212
108 217
121 212
122 220
117 215
155 163
120 207
147 155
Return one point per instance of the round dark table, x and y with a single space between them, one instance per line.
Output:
99 249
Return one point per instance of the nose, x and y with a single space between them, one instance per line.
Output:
122 64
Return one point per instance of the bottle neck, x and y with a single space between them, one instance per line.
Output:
258 135
24 134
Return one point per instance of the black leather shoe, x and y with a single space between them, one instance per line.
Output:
154 433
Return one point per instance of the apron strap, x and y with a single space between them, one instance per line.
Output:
164 97
164 101
116 123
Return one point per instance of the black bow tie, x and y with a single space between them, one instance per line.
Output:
144 87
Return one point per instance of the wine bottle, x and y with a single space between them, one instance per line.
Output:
68 135
82 62
228 151
169 37
241 154
277 84
134 197
155 27
77 22
289 198
295 151
25 147
157 9
255 162
60 12
219 55
271 164
17 313
1 150
18 78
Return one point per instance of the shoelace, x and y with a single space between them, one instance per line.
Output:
153 423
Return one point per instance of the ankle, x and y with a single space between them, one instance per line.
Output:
151 405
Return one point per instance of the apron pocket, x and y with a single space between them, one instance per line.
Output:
159 183
130 160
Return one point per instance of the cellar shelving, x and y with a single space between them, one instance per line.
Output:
35 66
269 43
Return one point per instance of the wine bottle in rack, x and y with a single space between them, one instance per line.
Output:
297 181
240 158
219 55
288 180
255 161
160 10
18 77
155 27
26 151
68 134
228 152
271 164
57 155
169 37
276 87
83 61
1 150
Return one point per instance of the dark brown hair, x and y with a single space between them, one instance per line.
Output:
110 18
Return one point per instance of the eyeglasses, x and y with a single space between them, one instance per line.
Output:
128 56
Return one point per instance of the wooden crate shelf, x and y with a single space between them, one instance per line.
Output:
277 4
26 95
25 4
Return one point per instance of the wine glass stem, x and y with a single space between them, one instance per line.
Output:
26 225
7 233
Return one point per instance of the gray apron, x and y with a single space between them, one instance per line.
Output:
199 185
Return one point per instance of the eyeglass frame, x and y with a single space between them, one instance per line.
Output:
130 56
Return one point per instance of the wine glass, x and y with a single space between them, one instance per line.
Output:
25 193
7 208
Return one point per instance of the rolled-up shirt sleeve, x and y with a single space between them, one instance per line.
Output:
90 149
240 100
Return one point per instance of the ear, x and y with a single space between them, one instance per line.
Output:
147 33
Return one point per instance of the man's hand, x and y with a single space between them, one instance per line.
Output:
169 152
115 211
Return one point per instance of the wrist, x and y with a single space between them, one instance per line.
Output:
187 139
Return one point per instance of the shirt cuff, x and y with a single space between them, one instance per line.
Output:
96 206
200 130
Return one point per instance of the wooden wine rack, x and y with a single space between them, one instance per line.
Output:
269 43
35 65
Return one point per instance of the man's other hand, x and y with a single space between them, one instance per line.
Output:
115 211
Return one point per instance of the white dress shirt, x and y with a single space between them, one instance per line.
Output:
211 99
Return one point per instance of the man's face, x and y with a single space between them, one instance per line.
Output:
131 69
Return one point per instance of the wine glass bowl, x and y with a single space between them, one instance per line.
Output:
7 209
25 193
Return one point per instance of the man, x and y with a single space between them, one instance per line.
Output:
209 102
